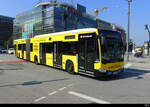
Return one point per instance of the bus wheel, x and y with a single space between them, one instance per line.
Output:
70 67
96 74
36 60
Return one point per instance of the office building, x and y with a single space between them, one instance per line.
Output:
53 16
6 28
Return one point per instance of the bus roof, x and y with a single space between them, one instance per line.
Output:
67 32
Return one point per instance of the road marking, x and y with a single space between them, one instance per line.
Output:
53 93
127 65
88 98
61 89
39 99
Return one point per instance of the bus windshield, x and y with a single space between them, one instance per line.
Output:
111 47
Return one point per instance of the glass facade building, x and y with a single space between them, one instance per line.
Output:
6 28
49 17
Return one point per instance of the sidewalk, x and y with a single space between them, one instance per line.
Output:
139 63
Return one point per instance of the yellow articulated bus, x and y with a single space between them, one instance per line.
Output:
20 48
85 51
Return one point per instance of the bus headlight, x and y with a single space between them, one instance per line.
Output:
102 70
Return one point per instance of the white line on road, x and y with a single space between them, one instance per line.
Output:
53 93
88 98
39 99
61 89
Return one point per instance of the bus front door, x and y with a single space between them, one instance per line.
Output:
86 56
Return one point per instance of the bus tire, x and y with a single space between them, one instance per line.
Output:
96 74
70 67
36 60
99 75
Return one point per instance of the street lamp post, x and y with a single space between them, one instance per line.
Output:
147 28
128 37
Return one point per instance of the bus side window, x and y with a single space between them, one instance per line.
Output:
74 48
49 47
19 47
69 48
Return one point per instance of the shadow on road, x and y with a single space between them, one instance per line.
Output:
128 73
31 83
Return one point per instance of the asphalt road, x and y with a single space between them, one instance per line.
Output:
25 82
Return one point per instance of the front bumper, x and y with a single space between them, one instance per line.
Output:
102 71
114 72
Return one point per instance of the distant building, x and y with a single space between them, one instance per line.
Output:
6 28
53 16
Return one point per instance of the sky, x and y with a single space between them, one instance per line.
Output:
116 13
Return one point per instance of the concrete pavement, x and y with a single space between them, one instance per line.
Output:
29 83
